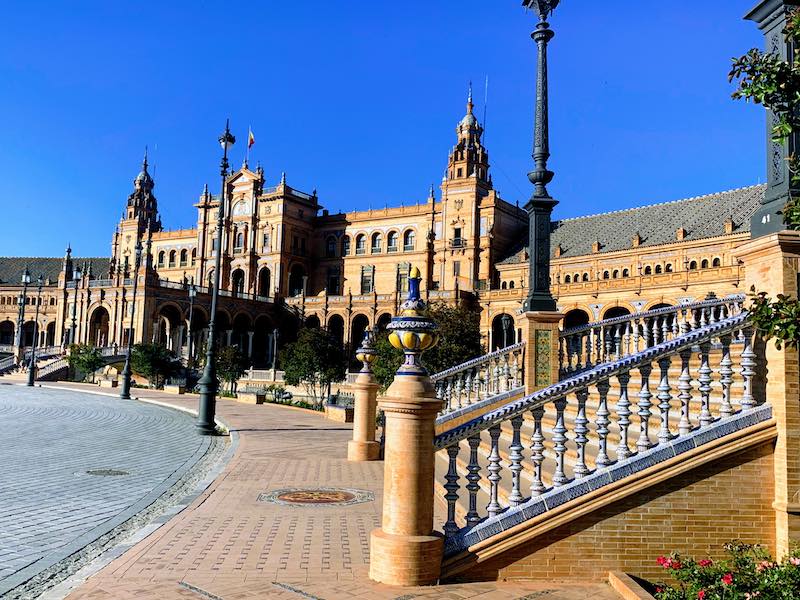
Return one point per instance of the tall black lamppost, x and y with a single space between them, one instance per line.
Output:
76 280
23 298
275 333
192 295
125 389
32 363
208 382
540 206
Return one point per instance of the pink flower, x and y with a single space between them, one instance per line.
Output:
795 560
662 560
701 594
727 579
764 565
706 562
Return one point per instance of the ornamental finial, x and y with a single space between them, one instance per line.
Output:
412 332
366 352
543 8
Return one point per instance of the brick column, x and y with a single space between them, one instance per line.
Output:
363 445
406 550
541 349
771 265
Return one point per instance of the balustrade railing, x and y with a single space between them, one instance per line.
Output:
113 350
6 364
52 368
586 346
482 378
7 348
574 428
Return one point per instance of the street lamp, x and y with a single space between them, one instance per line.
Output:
125 390
32 363
76 279
275 333
540 206
208 382
23 297
192 295
506 320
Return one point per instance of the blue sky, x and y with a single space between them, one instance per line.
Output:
359 100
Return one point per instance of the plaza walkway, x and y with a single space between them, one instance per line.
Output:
235 540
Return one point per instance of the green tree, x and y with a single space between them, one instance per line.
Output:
85 358
154 362
314 361
231 365
765 78
459 341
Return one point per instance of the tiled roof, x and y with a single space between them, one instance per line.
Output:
11 268
657 224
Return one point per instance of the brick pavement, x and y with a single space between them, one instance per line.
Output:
228 544
50 507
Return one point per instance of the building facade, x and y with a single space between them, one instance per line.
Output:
286 262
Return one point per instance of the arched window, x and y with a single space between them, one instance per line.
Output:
346 245
392 241
161 258
567 279
704 263
658 269
377 242
194 256
409 239
511 285
184 257
172 256
330 247
585 277
576 278
648 270
361 243
52 301
668 268
239 240
626 273
504 286
716 262
615 274
606 275
693 265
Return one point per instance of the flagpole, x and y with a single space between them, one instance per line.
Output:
247 151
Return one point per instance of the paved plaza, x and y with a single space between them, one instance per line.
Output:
77 465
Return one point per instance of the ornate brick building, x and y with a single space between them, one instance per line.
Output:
286 260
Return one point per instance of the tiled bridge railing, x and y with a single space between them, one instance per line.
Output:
574 447
489 376
586 346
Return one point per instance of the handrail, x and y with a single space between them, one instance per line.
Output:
735 299
476 361
584 379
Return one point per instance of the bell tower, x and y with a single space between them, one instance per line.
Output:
469 158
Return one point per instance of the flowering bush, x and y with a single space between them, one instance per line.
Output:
748 573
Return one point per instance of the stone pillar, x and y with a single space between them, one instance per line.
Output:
229 334
250 344
179 345
541 349
363 445
406 550
772 264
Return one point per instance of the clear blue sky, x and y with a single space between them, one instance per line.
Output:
359 100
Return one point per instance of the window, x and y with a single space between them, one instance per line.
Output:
52 301
615 274
456 268
460 173
366 279
194 256
668 268
330 247
265 242
333 281
361 244
704 263
715 263
504 286
693 265
511 285
392 241
606 275
184 257
658 269
567 279
458 241
576 278
239 240
626 273
585 277
172 256
161 258
409 240
346 245
402 277
377 242
648 270
214 244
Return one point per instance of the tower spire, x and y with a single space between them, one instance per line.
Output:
470 105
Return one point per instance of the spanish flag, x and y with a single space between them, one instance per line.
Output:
251 139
